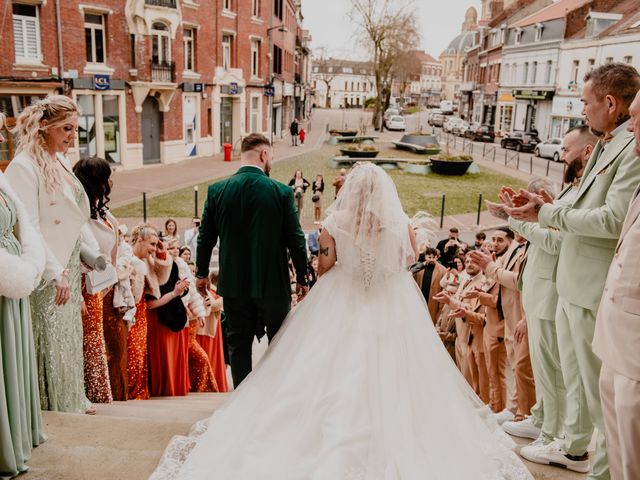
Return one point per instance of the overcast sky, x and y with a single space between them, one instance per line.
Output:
330 26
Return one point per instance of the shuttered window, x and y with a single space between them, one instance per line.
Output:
26 33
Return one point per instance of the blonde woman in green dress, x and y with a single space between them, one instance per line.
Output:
59 209
21 254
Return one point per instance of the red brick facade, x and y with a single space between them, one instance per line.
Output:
153 108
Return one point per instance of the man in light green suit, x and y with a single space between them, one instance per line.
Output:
591 228
540 299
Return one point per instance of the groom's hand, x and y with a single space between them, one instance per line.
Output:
301 291
203 285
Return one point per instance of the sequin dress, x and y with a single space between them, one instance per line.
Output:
57 332
137 367
200 373
20 420
96 371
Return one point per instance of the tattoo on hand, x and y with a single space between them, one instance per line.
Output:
324 251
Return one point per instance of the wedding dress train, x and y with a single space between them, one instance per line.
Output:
356 386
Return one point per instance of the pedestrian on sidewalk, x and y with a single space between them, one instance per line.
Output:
293 129
299 185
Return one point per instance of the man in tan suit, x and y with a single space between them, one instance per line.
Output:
506 274
469 324
616 339
433 272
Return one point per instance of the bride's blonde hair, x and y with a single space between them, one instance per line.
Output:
31 134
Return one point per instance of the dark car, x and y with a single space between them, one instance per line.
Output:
480 133
520 141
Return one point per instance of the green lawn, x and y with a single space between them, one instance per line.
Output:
417 192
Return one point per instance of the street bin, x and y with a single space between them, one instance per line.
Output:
227 152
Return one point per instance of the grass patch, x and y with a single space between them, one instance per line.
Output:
417 192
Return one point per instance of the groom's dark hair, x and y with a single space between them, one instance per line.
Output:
253 141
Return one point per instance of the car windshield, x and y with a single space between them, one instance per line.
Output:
397 119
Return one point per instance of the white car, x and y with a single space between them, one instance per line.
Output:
451 124
551 148
460 128
396 122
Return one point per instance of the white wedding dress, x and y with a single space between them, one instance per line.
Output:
356 386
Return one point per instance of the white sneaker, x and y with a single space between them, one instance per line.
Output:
553 454
522 429
504 416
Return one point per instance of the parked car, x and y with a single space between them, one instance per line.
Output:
436 118
551 148
460 128
450 124
520 141
391 112
480 133
396 122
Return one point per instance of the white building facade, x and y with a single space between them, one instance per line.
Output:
342 83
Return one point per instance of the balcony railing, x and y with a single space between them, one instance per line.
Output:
163 72
161 3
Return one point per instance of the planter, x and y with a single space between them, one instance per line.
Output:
450 167
359 153
420 140
343 133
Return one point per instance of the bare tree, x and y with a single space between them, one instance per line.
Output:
388 29
406 69
324 74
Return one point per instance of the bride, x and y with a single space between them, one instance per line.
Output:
357 385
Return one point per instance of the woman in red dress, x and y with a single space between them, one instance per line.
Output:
168 338
210 337
151 268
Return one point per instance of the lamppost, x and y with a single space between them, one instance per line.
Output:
281 28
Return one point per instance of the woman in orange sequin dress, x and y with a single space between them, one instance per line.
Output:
100 236
151 268
210 338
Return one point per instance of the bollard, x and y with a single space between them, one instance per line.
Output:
505 156
442 211
531 164
484 147
494 153
479 209
548 165
517 161
144 206
195 201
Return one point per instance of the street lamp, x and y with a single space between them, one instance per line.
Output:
281 28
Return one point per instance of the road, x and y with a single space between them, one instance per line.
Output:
491 152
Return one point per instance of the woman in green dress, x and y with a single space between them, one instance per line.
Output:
21 254
59 209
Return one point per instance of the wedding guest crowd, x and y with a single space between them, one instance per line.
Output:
560 295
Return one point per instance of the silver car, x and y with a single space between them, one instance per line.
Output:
551 148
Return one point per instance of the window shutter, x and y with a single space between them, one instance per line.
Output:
26 36
18 37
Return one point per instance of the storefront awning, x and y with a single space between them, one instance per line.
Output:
533 94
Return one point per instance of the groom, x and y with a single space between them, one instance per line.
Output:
256 220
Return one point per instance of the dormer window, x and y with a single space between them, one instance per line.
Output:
539 28
518 36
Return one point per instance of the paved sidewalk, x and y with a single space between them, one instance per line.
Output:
128 185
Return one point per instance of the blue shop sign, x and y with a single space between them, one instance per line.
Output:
233 88
102 82
197 87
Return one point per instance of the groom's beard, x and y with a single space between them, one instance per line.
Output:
573 169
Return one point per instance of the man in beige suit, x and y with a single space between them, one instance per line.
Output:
469 323
506 274
434 272
616 339
591 229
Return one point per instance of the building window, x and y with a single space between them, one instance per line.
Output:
26 33
575 71
94 37
227 40
539 29
591 64
160 44
547 74
525 73
534 72
99 126
277 60
608 60
518 36
255 58
255 117
255 8
628 59
227 5
277 8
189 40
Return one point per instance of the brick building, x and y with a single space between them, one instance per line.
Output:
158 81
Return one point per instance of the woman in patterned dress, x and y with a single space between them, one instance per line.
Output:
58 208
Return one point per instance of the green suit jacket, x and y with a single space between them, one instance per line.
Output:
256 221
592 226
537 281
